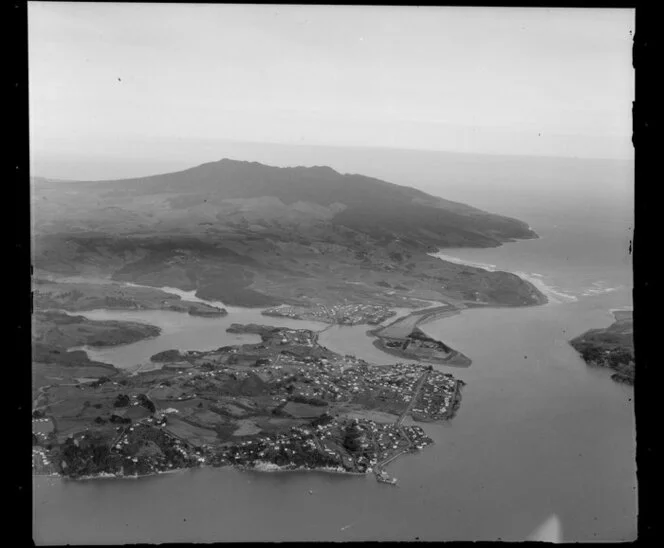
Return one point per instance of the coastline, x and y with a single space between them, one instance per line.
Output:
440 310
411 323
108 476
412 320
260 467
268 467
552 295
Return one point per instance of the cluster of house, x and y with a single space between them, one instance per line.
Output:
42 426
158 463
310 446
40 459
396 380
346 314
341 379
370 444
379 441
318 383
283 448
352 314
436 397
296 336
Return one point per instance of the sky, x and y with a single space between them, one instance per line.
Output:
136 81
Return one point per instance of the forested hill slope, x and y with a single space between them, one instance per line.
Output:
242 222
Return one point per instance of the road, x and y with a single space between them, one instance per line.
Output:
416 393
378 469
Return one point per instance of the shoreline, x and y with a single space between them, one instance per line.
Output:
414 319
267 468
261 468
551 293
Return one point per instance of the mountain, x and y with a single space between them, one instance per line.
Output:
301 194
260 234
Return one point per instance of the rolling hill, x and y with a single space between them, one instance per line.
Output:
257 234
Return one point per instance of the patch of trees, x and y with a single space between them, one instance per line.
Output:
122 400
144 401
117 419
99 382
299 398
322 420
620 357
166 356
419 335
354 438
88 457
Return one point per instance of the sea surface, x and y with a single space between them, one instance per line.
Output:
542 442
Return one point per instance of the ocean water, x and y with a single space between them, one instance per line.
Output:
542 447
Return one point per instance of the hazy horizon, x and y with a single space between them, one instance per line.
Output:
110 167
507 184
122 85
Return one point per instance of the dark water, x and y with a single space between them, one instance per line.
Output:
539 436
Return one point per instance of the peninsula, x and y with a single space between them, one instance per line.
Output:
82 296
285 403
298 242
611 347
253 235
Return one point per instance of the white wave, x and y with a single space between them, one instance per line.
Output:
622 309
457 260
599 288
554 294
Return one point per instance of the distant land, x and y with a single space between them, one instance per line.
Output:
611 347
248 234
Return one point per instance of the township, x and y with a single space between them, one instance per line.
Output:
286 403
343 314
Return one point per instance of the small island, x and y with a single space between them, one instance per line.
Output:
611 347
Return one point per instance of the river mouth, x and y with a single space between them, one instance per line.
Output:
517 437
